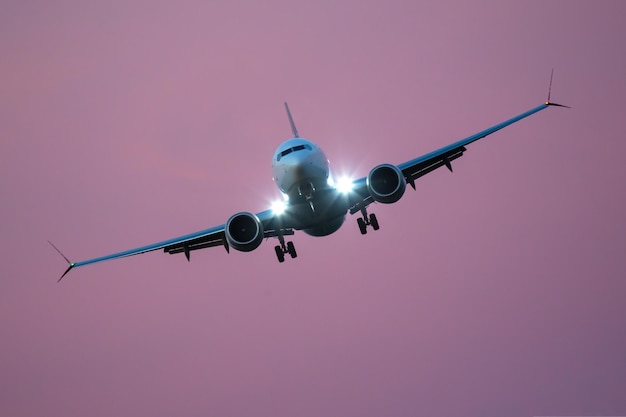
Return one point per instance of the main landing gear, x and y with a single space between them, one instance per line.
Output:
366 220
283 248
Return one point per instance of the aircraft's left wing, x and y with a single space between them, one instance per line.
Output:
418 167
182 244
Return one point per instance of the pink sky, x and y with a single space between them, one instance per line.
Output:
498 290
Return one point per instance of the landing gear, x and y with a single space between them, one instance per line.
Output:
362 225
283 248
374 222
366 220
279 253
307 191
291 250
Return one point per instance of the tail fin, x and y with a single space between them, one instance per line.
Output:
293 125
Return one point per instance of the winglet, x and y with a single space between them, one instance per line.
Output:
71 264
66 271
550 86
548 102
293 125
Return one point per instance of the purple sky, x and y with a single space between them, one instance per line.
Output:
498 290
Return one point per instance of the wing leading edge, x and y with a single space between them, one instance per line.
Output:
182 244
420 166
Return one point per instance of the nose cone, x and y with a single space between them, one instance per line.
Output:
297 161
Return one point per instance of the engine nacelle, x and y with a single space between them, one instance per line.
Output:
244 232
386 183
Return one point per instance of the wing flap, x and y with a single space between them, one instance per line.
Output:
210 241
413 172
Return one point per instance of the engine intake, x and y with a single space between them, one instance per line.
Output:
244 231
386 183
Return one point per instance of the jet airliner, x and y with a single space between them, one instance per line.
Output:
314 203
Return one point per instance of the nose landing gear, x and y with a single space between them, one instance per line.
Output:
307 190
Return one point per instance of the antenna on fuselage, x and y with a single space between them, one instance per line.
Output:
293 125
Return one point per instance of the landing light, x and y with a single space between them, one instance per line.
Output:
344 185
279 207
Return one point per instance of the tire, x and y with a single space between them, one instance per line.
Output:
374 222
362 225
291 249
279 254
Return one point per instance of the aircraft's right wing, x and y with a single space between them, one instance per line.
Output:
207 238
211 237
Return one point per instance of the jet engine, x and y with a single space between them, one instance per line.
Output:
244 232
386 183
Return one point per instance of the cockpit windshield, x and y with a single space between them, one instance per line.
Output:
293 149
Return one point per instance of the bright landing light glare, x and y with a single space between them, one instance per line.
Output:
345 185
279 207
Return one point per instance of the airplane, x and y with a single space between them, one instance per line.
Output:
313 202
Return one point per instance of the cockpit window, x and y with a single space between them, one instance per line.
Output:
286 152
293 149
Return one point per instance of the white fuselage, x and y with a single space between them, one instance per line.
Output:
301 171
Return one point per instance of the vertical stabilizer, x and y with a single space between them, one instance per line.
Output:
293 125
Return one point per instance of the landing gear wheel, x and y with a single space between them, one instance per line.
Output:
291 250
374 222
279 253
362 225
